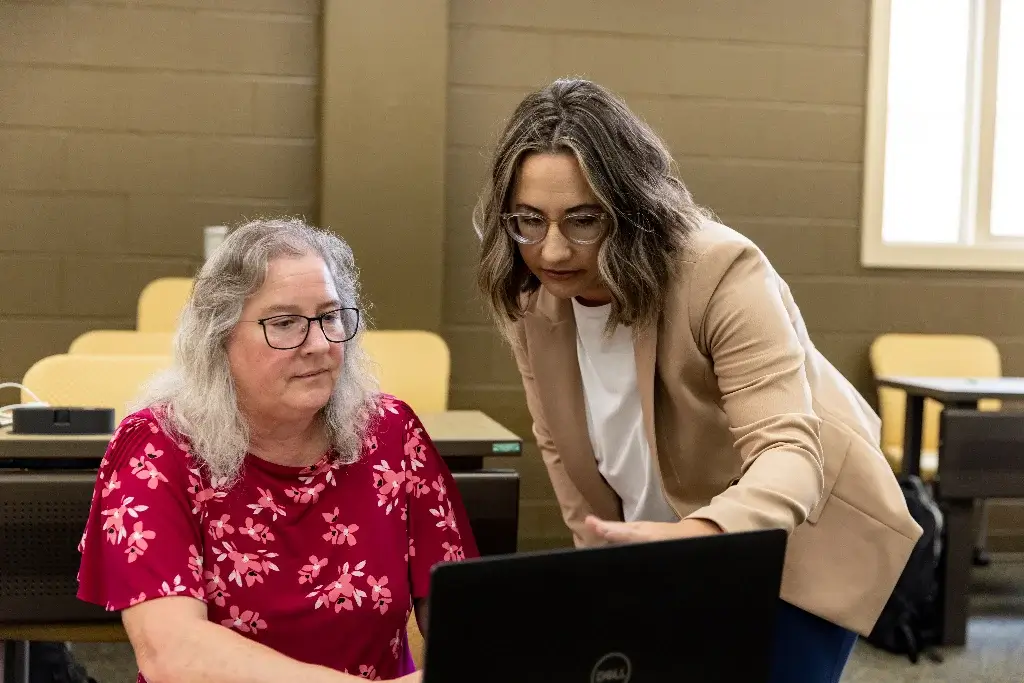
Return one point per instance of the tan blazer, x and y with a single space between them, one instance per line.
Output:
750 426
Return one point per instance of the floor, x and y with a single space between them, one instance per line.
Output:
994 654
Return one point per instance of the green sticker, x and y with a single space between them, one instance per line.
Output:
509 447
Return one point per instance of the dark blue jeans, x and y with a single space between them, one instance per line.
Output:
808 649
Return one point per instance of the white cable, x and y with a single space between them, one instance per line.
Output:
7 412
15 385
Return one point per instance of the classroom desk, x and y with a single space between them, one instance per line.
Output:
959 394
462 437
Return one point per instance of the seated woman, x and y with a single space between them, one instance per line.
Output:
268 516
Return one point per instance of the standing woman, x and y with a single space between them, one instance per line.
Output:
672 383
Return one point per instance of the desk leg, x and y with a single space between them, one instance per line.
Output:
14 663
913 426
980 521
955 571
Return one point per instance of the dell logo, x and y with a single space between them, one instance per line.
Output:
614 667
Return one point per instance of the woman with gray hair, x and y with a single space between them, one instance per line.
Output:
673 386
266 514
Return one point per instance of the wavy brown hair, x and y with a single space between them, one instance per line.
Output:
631 172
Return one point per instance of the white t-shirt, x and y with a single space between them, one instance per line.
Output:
615 418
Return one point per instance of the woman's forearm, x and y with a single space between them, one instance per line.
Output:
205 652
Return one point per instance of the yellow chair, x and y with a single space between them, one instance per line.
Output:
413 365
416 642
926 355
161 302
82 381
123 343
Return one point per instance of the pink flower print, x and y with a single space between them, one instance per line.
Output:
415 485
387 404
415 449
245 565
112 485
138 542
341 534
445 520
412 550
136 600
312 570
340 593
220 527
195 563
396 642
216 589
173 589
442 490
266 502
197 593
389 484
305 494
256 531
195 484
150 474
379 593
453 553
312 470
265 564
370 446
153 428
151 452
369 673
116 517
246 622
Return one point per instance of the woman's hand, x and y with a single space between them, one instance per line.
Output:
638 532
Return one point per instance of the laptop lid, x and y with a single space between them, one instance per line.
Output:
699 609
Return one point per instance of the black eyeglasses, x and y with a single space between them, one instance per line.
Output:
284 332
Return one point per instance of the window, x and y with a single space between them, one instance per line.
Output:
944 152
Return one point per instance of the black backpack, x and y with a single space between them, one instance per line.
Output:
909 621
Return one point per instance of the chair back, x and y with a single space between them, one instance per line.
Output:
123 343
161 303
84 381
927 355
413 365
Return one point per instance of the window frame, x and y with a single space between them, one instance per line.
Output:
977 249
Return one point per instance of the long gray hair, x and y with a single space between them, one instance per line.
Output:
632 174
195 399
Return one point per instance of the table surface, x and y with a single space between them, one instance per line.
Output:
454 432
952 389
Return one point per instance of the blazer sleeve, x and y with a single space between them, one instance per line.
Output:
574 508
741 323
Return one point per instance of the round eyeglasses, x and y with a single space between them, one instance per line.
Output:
578 228
284 332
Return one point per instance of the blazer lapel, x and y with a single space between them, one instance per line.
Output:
551 336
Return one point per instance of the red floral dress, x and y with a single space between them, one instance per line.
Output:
320 563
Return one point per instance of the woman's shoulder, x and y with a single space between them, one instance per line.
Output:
144 431
392 419
713 240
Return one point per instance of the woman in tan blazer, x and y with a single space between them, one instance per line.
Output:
672 383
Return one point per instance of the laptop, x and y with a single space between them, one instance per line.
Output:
700 609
